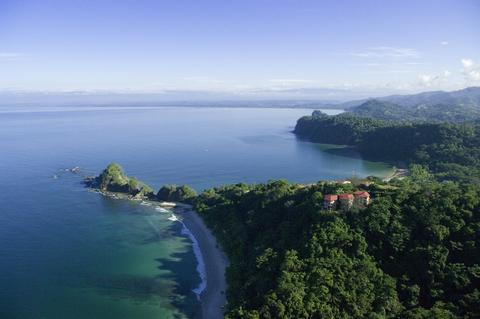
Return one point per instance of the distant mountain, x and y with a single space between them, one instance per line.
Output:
456 106
466 97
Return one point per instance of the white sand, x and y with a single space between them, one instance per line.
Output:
213 296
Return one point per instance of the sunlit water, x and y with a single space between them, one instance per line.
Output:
69 253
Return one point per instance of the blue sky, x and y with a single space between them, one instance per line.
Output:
251 48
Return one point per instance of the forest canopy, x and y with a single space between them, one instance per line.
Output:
414 252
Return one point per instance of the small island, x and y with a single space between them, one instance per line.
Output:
113 181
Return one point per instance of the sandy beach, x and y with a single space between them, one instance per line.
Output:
212 297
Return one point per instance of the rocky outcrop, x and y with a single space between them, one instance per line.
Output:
113 179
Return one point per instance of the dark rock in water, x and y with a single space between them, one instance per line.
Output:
75 170
89 181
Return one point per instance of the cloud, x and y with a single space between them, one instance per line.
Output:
386 52
444 43
471 70
197 78
426 79
289 81
11 56
467 63
429 80
285 84
475 75
201 80
370 64
205 82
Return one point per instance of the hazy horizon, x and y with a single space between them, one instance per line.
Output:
177 98
244 50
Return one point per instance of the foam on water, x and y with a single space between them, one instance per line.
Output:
198 255
162 210
173 218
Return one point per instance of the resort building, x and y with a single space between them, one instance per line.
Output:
330 201
346 201
359 199
362 198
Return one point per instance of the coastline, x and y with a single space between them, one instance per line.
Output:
211 260
397 173
212 297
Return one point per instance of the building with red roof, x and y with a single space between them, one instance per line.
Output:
330 201
362 198
345 197
346 200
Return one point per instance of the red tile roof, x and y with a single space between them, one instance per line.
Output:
330 197
345 196
362 194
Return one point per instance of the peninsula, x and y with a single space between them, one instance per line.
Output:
355 248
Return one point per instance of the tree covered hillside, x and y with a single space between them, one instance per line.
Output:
455 106
441 112
414 252
451 151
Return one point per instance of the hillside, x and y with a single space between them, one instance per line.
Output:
465 97
456 106
445 111
451 151
412 253
469 97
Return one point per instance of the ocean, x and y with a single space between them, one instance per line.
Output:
68 253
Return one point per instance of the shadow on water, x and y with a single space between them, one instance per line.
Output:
173 283
344 151
347 151
180 266
333 149
353 152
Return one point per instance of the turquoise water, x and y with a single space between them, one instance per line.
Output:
69 253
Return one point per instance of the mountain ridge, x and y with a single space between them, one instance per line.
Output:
458 97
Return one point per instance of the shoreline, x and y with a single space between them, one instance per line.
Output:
397 173
212 295
211 260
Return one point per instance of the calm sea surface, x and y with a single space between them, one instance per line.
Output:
69 253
